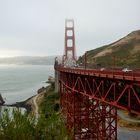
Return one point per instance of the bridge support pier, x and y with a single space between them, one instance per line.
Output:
87 118
56 81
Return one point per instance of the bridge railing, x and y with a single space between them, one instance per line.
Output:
108 73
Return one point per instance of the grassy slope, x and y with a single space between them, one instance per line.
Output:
122 50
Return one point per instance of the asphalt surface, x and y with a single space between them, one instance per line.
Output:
126 134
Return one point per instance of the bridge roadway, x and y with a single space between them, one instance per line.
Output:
107 73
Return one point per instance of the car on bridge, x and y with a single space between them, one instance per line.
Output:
102 69
126 70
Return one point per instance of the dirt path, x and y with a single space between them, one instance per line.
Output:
35 105
35 101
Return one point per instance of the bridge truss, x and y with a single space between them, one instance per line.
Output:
90 98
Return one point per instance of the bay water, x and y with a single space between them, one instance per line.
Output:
19 82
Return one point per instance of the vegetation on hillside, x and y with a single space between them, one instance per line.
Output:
49 126
122 53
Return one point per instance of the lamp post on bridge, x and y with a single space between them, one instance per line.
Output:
63 59
85 60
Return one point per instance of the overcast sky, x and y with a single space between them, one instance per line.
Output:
36 27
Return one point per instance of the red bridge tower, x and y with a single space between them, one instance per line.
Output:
69 57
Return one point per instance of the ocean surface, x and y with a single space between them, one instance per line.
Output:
19 82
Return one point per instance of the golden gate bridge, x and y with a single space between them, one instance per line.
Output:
89 98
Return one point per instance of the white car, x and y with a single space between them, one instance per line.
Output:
126 70
102 69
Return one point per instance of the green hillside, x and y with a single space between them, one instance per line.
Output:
122 53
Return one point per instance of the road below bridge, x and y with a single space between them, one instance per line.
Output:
126 134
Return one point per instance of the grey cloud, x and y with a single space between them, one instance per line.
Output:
36 27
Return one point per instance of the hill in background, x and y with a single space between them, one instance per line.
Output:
122 53
29 60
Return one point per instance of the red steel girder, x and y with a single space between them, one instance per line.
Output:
121 93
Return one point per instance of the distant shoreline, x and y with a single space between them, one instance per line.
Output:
28 60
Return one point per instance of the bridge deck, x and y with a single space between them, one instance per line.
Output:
114 87
113 74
